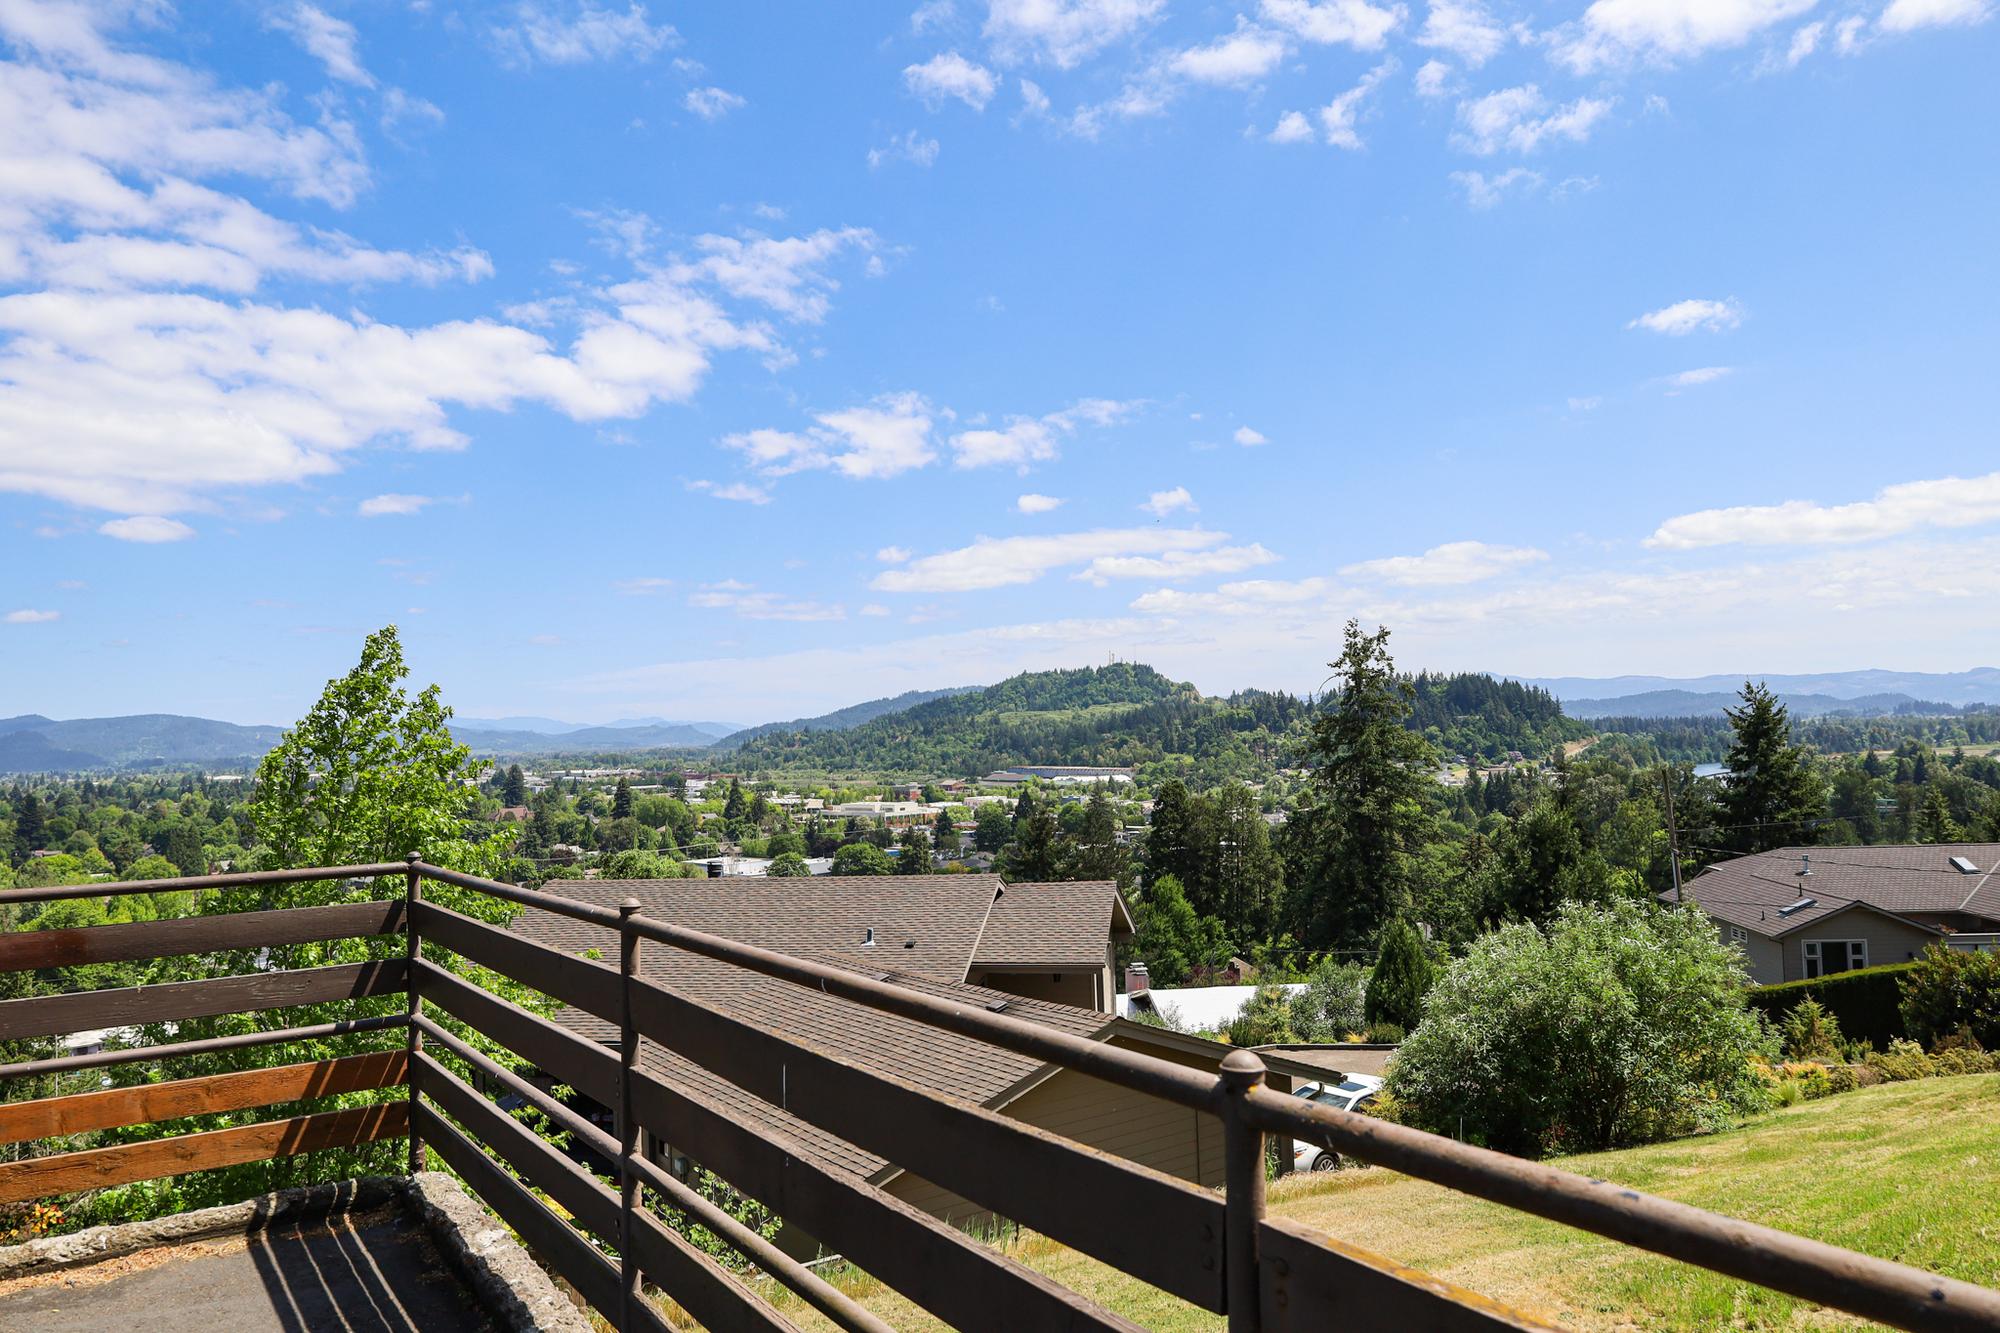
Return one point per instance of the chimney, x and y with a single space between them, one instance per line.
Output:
715 869
1136 980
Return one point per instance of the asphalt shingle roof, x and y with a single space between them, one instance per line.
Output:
1053 925
942 913
1905 880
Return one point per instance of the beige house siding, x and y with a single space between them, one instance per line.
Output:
1083 990
1889 940
1766 956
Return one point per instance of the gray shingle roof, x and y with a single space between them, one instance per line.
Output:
792 915
1053 925
1903 880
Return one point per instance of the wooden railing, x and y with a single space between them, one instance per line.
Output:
1219 1252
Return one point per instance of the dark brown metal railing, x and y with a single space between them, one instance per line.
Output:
1220 1253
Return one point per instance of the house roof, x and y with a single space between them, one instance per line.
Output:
918 1053
1053 925
1898 881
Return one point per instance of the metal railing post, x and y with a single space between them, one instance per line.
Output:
1243 1183
628 1125
413 888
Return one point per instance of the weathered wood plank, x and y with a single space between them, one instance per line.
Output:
27 950
559 1246
149 1102
96 1168
715 1299
590 986
583 1064
966 1284
986 1157
53 1015
1306 1278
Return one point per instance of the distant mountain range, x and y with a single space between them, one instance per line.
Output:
1689 703
846 718
548 726
1854 689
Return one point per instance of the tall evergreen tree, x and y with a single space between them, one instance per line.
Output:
737 805
1403 973
621 800
916 853
1037 852
514 790
1772 793
1369 803
1095 852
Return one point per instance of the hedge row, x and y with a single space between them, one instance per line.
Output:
1868 1003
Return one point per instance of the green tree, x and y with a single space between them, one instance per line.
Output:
992 829
1616 1025
1037 853
1772 794
1174 844
621 800
1249 876
1934 821
1266 1017
737 805
1403 975
1368 811
1095 852
862 858
514 790
1953 990
1543 863
1333 1003
1171 939
916 853
788 865
944 833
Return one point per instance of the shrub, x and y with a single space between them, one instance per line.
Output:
1403 973
1621 1024
1867 1004
1810 1032
1384 1034
1266 1018
1903 1060
1331 1004
1948 990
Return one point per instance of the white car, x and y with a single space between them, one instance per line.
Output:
1350 1093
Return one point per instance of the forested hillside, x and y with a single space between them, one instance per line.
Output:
1483 718
842 718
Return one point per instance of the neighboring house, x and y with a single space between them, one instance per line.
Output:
1803 912
1196 1008
966 938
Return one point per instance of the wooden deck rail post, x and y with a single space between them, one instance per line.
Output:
413 888
628 1124
1243 1183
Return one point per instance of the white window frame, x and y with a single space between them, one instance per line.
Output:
1738 935
1813 956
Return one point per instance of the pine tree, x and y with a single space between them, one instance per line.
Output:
737 805
514 791
621 800
916 857
1403 973
1934 821
1772 794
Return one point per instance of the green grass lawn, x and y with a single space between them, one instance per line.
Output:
1906 1171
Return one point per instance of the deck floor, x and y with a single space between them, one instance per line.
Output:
368 1273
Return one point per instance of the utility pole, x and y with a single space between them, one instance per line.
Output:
1673 833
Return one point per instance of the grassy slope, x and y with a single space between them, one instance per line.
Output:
1907 1171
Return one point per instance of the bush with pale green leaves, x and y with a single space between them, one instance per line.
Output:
1615 1025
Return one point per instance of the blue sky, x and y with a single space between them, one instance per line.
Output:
744 361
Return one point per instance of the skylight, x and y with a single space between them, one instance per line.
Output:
1963 865
1799 906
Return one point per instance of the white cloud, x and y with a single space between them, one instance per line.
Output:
1512 119
1174 565
1948 502
893 555
908 146
1007 561
329 40
1465 29
1248 437
1352 23
1022 441
1685 317
643 587
1585 404
712 103
1292 127
1615 32
1451 563
932 14
786 273
1063 33
1037 504
1241 57
382 506
889 436
1246 597
1433 79
751 604
1849 34
580 34
1483 192
1161 503
27 616
1338 118
1909 15
1804 42
950 74
1034 102
149 528
741 492
1688 379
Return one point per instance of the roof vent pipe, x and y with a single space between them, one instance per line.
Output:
1805 869
868 937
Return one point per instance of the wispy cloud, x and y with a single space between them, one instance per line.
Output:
1948 502
1690 316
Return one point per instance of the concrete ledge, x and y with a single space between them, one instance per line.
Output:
510 1284
507 1283
303 1204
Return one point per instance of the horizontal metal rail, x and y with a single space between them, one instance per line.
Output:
180 1050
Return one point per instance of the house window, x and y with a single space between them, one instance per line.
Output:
1738 935
1825 957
